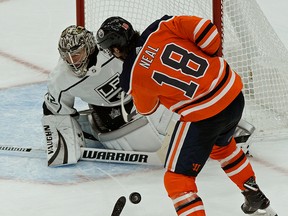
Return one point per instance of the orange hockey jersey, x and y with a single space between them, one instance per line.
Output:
174 64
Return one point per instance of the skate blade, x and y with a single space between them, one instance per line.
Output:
265 212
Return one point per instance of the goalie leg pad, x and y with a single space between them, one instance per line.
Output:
138 135
64 138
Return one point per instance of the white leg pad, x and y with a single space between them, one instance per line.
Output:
138 135
64 138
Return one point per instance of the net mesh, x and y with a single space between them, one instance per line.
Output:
250 45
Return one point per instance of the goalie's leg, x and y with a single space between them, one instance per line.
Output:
64 138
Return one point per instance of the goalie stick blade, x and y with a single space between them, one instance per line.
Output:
119 205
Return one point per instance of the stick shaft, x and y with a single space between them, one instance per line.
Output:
93 154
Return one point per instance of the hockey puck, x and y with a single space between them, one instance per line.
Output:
135 197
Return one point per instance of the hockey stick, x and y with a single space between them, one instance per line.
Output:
22 151
99 155
95 154
134 198
127 157
127 117
119 205
130 157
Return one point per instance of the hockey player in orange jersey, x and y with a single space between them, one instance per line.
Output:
174 63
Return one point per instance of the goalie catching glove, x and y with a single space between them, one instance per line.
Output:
64 138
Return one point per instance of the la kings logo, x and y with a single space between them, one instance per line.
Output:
50 98
110 90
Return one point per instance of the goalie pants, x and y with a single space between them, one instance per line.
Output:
191 144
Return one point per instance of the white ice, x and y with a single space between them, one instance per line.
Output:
28 51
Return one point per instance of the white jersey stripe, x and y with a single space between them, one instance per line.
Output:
198 27
212 86
208 41
214 100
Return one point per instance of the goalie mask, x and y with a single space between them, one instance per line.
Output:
114 32
75 45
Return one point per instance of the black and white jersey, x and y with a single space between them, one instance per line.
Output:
99 87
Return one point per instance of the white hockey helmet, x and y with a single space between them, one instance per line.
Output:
75 46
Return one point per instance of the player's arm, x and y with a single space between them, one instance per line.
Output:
200 31
144 102
59 102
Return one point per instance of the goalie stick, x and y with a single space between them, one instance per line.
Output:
156 158
126 116
96 154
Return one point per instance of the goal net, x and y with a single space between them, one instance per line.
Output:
249 44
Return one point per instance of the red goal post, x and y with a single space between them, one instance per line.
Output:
80 12
249 44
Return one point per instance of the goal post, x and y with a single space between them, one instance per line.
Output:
217 20
249 44
80 12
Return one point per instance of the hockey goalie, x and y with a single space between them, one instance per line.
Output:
111 121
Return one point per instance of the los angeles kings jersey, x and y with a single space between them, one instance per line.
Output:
175 64
99 87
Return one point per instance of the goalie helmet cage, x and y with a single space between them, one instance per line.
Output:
249 44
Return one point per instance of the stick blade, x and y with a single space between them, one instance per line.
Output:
119 205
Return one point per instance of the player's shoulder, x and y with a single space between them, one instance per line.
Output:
153 27
107 60
106 66
61 67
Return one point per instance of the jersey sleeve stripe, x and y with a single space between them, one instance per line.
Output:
210 39
198 27
204 33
